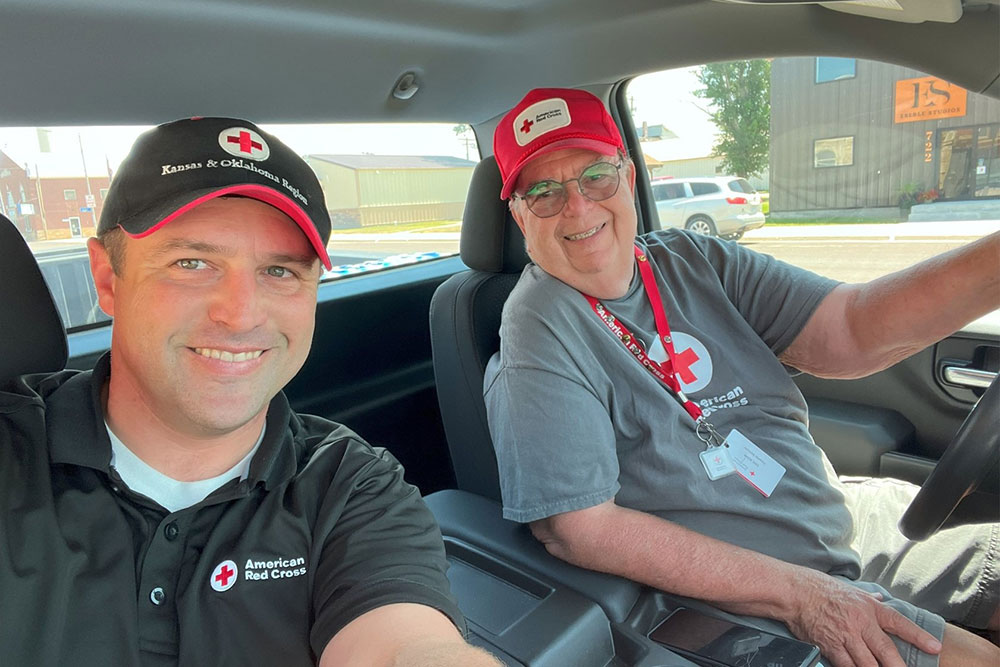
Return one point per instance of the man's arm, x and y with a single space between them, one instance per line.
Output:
850 626
861 329
403 635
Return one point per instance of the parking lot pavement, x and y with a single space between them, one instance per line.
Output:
943 229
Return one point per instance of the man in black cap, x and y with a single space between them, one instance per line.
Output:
168 507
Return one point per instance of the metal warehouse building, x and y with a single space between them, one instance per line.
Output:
853 134
364 190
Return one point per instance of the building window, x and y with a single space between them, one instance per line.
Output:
69 195
835 152
104 194
834 69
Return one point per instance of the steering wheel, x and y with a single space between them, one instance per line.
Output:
973 452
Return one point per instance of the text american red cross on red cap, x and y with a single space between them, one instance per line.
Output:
527 125
683 363
247 144
223 576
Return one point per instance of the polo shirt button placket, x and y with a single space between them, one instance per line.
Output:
171 531
157 596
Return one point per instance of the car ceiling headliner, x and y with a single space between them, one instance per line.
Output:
87 62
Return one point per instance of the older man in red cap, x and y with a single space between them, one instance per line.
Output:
646 425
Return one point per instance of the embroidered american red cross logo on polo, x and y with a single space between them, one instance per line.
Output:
224 574
246 142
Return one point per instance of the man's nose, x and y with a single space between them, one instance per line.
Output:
576 202
238 302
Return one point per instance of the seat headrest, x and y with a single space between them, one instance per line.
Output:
31 333
490 241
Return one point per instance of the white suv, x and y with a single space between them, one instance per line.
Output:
725 206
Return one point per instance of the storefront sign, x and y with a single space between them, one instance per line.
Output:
928 98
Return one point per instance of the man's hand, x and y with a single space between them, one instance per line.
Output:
851 626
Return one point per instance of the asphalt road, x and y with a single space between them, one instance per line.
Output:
854 260
847 259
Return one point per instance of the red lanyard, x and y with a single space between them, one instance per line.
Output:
664 372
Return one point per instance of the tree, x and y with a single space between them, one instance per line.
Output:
740 96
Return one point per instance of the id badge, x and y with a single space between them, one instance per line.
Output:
717 463
753 464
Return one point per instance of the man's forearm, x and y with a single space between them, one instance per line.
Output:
919 306
861 329
850 626
443 654
650 550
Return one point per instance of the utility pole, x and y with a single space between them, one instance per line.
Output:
90 195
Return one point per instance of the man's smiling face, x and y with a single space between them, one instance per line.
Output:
588 244
213 315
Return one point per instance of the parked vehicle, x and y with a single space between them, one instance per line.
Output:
724 206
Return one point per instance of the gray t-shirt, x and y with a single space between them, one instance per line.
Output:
577 421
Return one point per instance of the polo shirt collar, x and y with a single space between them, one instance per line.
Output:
77 434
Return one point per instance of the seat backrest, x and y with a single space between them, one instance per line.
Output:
31 334
465 327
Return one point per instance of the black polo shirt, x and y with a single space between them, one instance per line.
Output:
264 571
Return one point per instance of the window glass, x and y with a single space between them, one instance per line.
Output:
395 194
837 152
850 181
834 69
665 191
703 188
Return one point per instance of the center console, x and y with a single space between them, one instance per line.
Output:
531 609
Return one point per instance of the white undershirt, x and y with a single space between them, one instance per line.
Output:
172 494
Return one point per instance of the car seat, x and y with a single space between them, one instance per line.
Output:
31 332
465 327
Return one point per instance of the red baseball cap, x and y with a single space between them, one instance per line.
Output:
550 119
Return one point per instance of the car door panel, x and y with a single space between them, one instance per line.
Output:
898 422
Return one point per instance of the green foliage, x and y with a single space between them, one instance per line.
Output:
740 94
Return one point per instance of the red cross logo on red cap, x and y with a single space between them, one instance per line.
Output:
527 125
224 576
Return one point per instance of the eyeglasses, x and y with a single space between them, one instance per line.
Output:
597 182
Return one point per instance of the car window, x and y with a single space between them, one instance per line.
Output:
856 168
667 191
395 193
703 188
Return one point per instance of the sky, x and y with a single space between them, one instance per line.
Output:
660 98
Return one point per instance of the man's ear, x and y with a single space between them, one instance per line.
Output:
631 176
516 213
104 276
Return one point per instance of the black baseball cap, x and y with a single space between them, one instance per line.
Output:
179 165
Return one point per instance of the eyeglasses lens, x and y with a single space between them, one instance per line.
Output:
597 182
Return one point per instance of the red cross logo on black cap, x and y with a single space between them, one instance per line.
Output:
244 142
